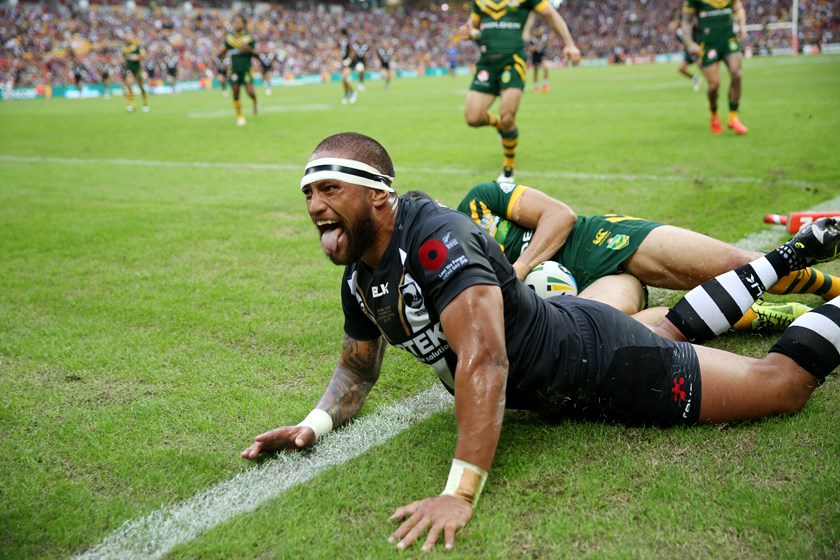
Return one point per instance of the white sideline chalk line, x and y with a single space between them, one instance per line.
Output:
445 170
156 534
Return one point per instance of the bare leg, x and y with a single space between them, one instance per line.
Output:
741 388
477 107
622 291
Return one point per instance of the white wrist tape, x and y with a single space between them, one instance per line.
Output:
320 422
466 481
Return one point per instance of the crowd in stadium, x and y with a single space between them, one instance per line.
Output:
43 44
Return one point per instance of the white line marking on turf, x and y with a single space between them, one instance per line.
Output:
268 109
629 177
159 532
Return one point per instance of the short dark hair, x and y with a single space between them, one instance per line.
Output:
360 147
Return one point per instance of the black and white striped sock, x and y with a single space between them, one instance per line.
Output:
813 340
714 306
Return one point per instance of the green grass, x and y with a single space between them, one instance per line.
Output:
153 318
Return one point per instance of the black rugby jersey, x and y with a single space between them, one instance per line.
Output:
434 254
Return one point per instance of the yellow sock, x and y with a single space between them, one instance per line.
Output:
745 323
145 98
238 106
732 115
130 98
493 120
808 281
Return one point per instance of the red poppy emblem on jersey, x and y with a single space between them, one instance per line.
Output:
432 254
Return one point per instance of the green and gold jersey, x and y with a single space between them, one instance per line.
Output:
501 23
490 205
714 17
240 61
132 54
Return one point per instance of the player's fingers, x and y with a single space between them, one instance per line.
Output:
419 528
404 511
432 539
251 451
449 531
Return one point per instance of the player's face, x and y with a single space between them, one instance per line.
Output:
238 24
343 214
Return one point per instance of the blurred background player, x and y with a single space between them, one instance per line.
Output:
79 73
267 59
242 47
133 54
501 68
360 52
385 56
715 21
103 66
452 59
347 57
538 46
150 66
170 61
222 65
689 57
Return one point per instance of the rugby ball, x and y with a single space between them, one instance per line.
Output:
551 278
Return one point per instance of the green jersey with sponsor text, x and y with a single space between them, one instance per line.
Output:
714 18
501 24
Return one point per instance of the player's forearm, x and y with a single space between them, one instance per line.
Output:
351 381
686 25
550 234
479 408
558 24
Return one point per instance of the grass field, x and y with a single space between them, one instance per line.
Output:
163 299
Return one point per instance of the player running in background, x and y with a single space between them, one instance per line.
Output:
501 68
133 54
222 64
267 59
103 66
423 278
347 56
610 255
150 66
242 47
385 56
715 20
170 61
538 47
359 53
689 58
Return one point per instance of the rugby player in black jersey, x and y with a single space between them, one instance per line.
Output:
427 279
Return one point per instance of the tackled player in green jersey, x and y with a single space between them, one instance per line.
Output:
715 21
133 54
242 46
612 256
497 27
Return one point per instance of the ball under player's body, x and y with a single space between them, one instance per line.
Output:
426 279
267 59
612 256
688 59
133 55
241 46
538 48
501 68
385 57
716 41
170 62
346 49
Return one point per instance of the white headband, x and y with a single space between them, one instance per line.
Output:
348 170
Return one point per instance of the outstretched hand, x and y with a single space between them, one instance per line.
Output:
442 513
290 438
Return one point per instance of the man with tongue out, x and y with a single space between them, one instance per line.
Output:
428 280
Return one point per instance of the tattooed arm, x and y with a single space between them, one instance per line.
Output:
352 379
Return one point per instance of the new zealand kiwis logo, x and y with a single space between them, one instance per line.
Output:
411 295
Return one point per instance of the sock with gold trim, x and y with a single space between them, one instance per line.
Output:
510 140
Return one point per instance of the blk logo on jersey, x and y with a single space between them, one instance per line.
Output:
432 254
